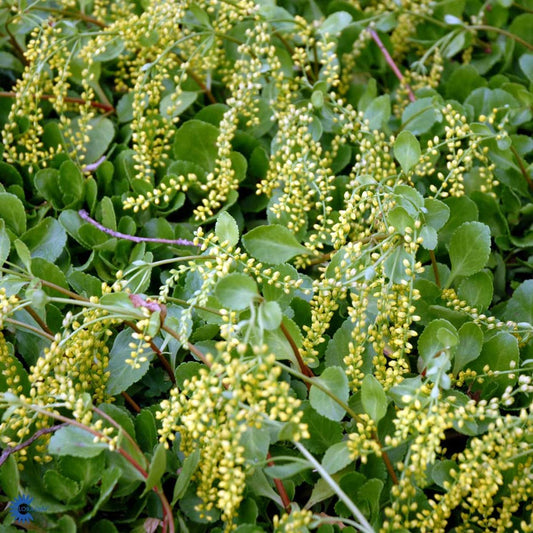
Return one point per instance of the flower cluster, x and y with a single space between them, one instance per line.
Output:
295 522
214 410
72 372
490 501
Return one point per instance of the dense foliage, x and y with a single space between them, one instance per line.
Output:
266 266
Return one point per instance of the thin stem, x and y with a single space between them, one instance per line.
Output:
205 89
303 367
162 359
512 36
199 307
76 14
117 426
435 268
282 491
181 242
33 329
391 63
363 524
523 169
16 45
37 435
131 402
191 347
38 319
70 99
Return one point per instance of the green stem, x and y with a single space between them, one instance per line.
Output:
37 331
512 36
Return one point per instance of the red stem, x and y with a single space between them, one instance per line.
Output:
181 242
391 63
281 488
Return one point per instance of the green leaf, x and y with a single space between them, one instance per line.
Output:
100 135
5 243
258 484
226 229
378 112
369 494
335 23
282 471
125 108
47 184
236 291
9 477
526 64
440 473
120 415
429 237
400 219
196 141
336 457
71 183
334 379
47 239
269 315
420 116
23 253
498 353
373 398
324 432
273 244
110 478
157 468
71 440
321 491
13 212
171 108
407 150
393 265
43 269
146 430
436 213
455 45
86 470
431 342
123 374
408 387
255 442
190 464
62 487
520 307
469 249
469 346
477 290
447 337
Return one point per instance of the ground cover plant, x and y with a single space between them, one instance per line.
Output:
266 266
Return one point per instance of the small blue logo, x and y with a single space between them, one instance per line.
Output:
20 508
